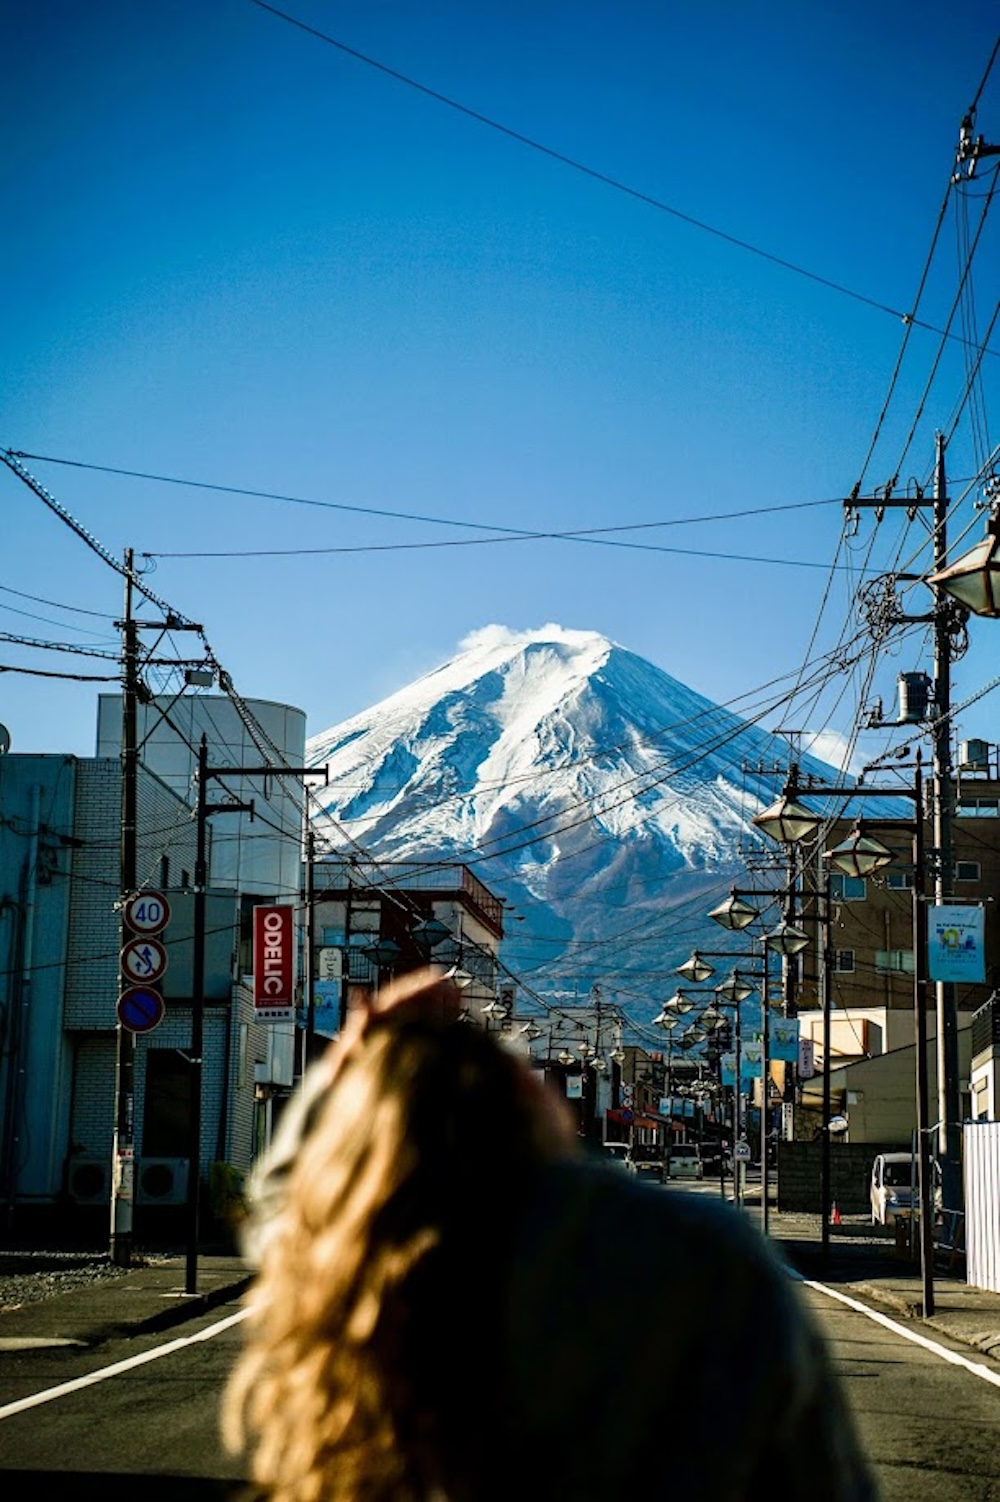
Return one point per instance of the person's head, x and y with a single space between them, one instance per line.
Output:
375 1337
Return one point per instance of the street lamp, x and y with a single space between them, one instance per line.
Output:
974 579
679 1002
859 855
734 989
787 821
734 913
695 969
429 934
787 938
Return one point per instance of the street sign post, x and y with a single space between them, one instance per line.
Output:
140 1009
143 960
147 913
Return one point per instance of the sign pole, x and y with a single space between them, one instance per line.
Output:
123 1149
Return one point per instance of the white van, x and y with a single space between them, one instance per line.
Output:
684 1161
894 1187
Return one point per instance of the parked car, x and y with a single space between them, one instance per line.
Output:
894 1187
650 1169
621 1153
684 1162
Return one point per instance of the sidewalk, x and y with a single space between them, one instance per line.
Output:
149 1299
862 1263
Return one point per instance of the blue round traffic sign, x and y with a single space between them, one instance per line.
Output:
140 1009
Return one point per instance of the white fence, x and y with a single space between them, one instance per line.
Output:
982 1203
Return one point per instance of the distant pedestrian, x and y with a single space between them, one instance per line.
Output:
454 1304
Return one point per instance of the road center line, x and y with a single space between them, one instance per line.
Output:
49 1394
975 1367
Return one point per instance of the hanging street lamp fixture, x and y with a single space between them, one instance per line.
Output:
734 989
974 579
787 821
429 934
734 913
695 969
787 939
859 855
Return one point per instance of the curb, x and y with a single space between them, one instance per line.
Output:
177 1312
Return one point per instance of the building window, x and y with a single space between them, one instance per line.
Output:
968 871
978 808
899 881
847 888
843 961
333 938
894 961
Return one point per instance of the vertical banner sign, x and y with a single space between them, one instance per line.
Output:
956 943
783 1038
807 1058
273 964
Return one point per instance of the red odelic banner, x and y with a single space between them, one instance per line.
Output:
273 964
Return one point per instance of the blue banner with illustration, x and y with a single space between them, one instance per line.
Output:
326 1008
783 1039
750 1062
956 943
675 1105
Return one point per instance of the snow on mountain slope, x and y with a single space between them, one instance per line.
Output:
567 771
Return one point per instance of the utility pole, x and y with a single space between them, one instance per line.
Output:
123 1149
924 1183
309 1037
123 1146
945 618
949 1127
204 811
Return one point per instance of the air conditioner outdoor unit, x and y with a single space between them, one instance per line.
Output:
161 1181
89 1180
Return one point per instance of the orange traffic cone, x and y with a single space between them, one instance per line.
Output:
836 1217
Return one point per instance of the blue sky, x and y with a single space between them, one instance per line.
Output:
238 255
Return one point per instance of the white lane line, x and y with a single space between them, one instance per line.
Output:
49 1394
975 1367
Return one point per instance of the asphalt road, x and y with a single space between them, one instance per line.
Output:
157 1421
930 1427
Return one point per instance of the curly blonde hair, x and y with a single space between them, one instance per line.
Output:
374 1367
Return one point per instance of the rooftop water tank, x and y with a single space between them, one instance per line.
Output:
974 756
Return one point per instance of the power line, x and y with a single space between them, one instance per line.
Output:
13 462
503 532
593 173
103 615
76 677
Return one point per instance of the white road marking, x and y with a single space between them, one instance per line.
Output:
975 1367
49 1394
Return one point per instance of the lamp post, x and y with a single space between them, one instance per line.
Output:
737 914
863 855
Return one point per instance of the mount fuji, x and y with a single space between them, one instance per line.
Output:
600 796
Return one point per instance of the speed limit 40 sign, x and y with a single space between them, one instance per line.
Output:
147 913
